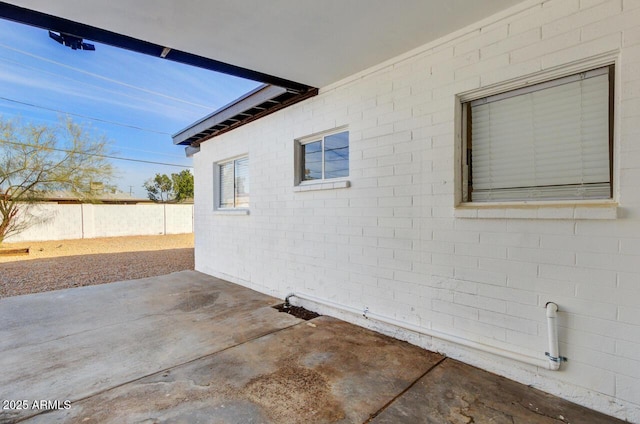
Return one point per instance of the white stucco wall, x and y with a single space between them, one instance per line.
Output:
395 242
68 221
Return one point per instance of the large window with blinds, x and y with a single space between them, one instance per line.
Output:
233 184
549 141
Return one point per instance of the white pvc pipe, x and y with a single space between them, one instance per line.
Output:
552 331
527 359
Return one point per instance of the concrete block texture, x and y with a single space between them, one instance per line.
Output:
394 241
76 221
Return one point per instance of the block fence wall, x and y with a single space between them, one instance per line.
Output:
63 222
394 241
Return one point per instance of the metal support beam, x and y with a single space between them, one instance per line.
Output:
54 23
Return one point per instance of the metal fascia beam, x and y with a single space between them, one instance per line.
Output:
54 23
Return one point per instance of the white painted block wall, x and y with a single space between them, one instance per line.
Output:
75 221
393 241
56 222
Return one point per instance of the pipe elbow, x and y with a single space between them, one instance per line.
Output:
286 299
552 310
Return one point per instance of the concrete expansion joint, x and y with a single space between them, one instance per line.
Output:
163 371
420 377
90 330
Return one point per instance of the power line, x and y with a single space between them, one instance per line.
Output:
148 151
83 116
93 86
93 154
119 147
104 78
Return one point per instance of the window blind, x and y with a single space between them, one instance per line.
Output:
547 142
242 183
226 185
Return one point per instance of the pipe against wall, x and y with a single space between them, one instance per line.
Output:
550 364
552 332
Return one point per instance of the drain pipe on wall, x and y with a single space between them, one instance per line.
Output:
552 363
552 330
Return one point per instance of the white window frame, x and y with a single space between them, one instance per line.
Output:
218 189
576 208
322 183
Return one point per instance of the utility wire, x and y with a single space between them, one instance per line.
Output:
149 151
83 116
35 146
93 86
119 146
104 78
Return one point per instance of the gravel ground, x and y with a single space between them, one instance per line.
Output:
55 265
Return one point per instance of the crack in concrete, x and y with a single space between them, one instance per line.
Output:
388 404
479 402
538 412
470 419
463 412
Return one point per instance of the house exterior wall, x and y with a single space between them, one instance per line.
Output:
76 221
395 242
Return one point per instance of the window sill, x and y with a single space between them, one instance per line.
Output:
323 185
588 209
231 212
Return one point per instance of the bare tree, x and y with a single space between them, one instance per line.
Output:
35 159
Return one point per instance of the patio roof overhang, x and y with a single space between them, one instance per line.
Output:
62 25
314 43
290 44
260 102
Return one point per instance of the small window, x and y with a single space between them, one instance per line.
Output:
324 157
549 141
233 184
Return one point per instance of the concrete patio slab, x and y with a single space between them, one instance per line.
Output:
73 343
457 393
322 371
189 348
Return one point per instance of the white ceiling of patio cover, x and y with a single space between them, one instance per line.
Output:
314 42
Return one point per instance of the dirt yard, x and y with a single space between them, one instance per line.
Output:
54 265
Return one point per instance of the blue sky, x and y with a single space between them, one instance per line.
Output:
128 89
